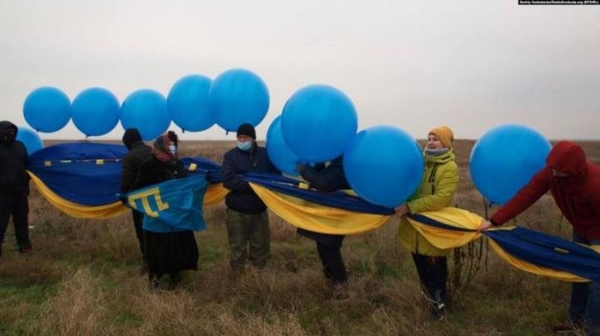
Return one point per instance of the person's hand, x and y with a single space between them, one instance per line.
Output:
485 225
401 210
122 198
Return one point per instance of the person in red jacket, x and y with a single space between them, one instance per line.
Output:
575 186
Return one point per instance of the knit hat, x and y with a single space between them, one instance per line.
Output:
246 129
131 136
444 133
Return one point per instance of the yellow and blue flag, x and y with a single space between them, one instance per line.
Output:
173 205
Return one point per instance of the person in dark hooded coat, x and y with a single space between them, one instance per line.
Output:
328 178
575 186
14 186
139 154
169 250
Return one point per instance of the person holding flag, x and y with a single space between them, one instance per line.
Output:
169 240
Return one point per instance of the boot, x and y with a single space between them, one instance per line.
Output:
154 281
175 280
26 249
438 304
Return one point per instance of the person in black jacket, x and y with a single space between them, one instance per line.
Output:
139 154
14 186
247 218
169 249
328 178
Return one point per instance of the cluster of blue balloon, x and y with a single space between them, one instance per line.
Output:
318 123
505 158
194 103
383 164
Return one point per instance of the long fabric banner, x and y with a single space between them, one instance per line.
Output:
82 179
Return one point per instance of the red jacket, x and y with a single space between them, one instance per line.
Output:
577 196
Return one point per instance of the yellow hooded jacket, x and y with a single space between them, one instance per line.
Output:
440 182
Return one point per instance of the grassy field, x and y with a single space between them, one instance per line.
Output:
83 280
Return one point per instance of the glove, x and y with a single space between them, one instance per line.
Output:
122 198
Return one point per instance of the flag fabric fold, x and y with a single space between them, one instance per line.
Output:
173 205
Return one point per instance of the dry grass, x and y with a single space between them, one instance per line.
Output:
83 280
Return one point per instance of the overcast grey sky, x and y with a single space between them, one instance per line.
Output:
472 65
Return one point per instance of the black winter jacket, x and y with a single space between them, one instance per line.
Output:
13 162
154 171
325 178
241 197
138 155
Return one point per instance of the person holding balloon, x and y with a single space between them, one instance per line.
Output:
437 189
247 219
14 186
574 184
139 154
328 178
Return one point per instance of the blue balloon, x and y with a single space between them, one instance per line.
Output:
47 109
30 139
188 103
383 165
238 96
146 110
317 122
505 158
279 153
95 111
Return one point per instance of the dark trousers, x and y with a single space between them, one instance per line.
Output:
248 232
138 219
433 273
584 309
333 264
17 205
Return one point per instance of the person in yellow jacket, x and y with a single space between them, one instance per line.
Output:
437 189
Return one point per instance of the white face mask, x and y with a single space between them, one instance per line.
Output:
244 145
173 149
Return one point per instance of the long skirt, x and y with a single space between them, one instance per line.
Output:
170 252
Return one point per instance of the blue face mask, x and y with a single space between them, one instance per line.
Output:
245 146
173 149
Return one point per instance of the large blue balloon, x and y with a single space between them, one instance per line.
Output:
146 110
238 96
30 139
279 153
505 159
383 165
47 109
95 111
317 122
188 103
